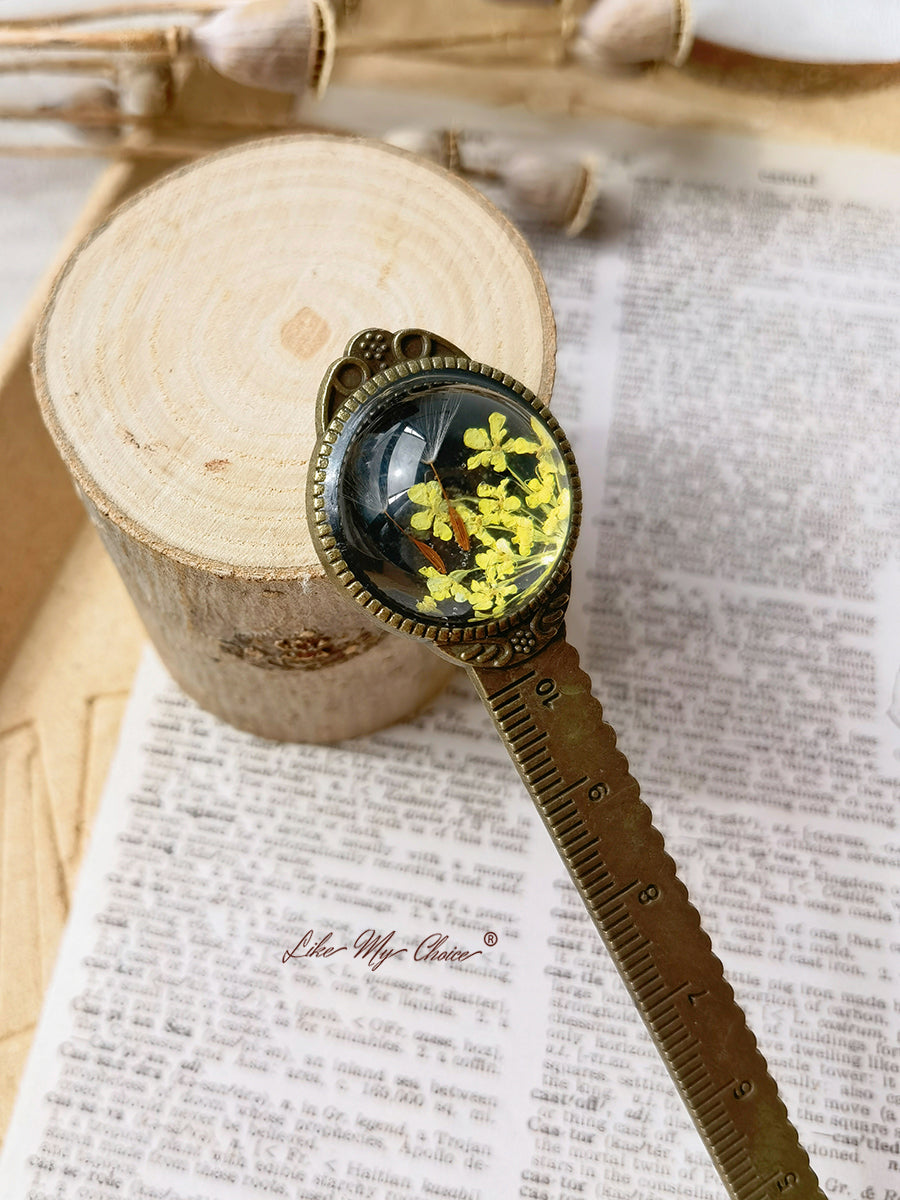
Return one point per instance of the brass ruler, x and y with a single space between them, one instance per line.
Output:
566 754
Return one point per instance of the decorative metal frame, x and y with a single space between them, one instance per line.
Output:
374 359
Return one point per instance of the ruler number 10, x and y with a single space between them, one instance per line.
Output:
548 692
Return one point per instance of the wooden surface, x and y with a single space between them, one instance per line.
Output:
178 365
69 633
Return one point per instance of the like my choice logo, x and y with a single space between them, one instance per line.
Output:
376 948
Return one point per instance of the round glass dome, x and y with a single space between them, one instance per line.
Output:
449 498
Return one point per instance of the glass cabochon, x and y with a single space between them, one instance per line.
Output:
449 499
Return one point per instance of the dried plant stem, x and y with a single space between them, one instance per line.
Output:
152 150
399 45
87 118
104 12
149 43
88 64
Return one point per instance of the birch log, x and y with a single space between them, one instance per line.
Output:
177 365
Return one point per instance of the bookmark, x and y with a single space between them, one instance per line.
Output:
444 499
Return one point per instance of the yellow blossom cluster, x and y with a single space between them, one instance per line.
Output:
515 521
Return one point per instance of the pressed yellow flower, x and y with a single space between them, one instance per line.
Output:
558 517
548 452
473 521
490 443
523 532
498 561
494 504
434 511
541 489
490 599
445 587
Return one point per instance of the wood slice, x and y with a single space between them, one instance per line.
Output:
177 365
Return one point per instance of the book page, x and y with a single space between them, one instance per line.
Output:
361 970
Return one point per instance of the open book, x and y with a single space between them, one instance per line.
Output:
360 970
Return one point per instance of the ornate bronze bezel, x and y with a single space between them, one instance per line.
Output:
374 359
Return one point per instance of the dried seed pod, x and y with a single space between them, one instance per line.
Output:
560 191
91 112
427 143
622 32
280 45
484 155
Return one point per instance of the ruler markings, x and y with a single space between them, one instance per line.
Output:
660 1008
687 1057
519 751
691 1079
587 862
640 965
678 1049
626 938
562 811
640 978
596 886
672 1017
614 920
526 719
763 1186
578 846
613 913
570 788
513 684
531 731
744 1174
732 1150
648 1000
612 906
567 824
574 841
682 987
563 814
562 804
536 779
678 1044
714 1128
526 731
533 749
577 849
623 890
630 945
758 1190
540 763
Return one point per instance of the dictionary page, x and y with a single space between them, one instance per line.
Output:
360 970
